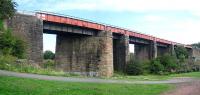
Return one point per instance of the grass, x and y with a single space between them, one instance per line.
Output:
150 77
25 86
191 74
9 63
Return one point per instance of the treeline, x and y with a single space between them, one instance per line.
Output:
196 45
166 64
9 44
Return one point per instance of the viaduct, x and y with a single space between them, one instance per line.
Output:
86 47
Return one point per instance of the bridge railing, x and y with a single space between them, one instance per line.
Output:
83 19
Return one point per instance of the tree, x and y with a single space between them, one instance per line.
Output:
134 68
156 67
181 53
49 55
7 42
11 45
169 62
196 45
7 8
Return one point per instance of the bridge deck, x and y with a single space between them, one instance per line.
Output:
97 26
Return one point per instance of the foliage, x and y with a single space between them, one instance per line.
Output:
49 55
5 62
161 65
19 48
49 63
25 86
8 62
184 67
11 45
7 8
181 53
196 45
156 67
169 62
135 68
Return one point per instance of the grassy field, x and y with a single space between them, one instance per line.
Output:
23 86
156 77
191 74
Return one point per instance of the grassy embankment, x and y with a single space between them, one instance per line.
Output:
23 86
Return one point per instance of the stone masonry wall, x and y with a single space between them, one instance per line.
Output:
86 55
142 52
121 53
30 29
196 54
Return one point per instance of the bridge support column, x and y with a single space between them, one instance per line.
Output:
169 49
86 55
172 51
154 50
146 51
142 52
29 29
121 53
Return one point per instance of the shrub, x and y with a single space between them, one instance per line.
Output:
135 68
6 62
156 67
184 67
48 63
19 48
181 52
7 42
169 62
49 55
11 45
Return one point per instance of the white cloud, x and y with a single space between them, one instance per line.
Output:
154 18
118 5
130 5
185 30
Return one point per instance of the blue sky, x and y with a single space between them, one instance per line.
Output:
176 20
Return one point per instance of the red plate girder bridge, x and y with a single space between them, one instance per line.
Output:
52 17
84 46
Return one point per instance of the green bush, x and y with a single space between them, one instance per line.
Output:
135 68
181 53
169 62
49 63
196 45
19 48
11 45
6 62
49 55
156 67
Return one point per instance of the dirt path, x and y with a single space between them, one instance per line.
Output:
184 86
191 88
93 80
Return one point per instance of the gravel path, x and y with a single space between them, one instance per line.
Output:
92 80
191 88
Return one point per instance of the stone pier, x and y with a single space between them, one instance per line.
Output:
30 29
121 53
87 55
